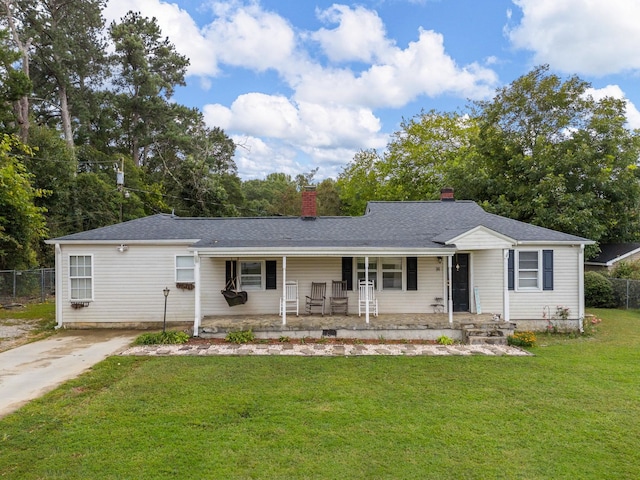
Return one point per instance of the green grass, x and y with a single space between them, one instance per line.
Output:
44 314
571 411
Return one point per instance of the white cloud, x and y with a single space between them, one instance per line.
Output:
318 125
176 24
359 36
578 36
328 113
250 37
423 68
633 115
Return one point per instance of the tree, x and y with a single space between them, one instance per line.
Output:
277 194
21 104
328 198
424 156
359 182
149 69
22 223
549 154
14 85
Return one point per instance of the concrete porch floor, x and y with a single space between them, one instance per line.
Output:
427 326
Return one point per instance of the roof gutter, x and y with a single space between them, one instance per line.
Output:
324 252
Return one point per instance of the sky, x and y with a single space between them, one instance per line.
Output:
301 84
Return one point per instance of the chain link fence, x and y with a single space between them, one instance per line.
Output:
27 285
626 292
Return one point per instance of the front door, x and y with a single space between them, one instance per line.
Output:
460 282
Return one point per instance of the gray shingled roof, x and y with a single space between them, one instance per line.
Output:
609 252
426 224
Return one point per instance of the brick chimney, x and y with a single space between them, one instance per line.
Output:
309 202
446 195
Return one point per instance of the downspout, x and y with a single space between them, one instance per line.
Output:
450 288
366 290
581 288
505 292
59 290
197 306
284 290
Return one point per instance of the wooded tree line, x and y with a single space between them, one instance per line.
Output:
542 151
82 100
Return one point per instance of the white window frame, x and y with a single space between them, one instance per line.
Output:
81 277
180 268
262 275
377 273
372 271
538 287
401 270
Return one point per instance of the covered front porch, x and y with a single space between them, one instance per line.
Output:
418 326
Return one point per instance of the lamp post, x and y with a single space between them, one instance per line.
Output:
164 321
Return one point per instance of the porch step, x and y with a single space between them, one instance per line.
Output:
491 333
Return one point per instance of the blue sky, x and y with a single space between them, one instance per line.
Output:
306 84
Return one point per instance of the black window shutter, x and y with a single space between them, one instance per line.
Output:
547 269
347 271
230 267
271 277
511 269
412 273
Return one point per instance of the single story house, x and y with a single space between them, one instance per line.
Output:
420 255
611 254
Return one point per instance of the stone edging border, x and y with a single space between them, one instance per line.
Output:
324 350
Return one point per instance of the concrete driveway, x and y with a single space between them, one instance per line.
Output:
31 370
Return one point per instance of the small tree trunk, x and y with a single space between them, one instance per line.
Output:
66 116
21 107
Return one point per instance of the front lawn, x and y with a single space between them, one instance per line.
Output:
572 411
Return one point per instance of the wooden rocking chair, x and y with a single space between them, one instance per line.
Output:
317 297
339 301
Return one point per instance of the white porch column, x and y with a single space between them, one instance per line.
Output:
58 270
450 287
197 290
505 290
366 290
283 305
581 288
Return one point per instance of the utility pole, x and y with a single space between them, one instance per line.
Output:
120 185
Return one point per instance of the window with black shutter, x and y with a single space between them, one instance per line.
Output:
271 280
412 273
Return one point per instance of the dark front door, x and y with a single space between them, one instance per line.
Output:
460 282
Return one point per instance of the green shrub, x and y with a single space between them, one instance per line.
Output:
598 291
522 339
162 338
444 340
242 336
629 270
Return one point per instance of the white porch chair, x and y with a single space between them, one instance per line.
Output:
290 302
362 298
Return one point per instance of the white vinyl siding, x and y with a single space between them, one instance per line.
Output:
81 277
529 304
127 287
185 267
